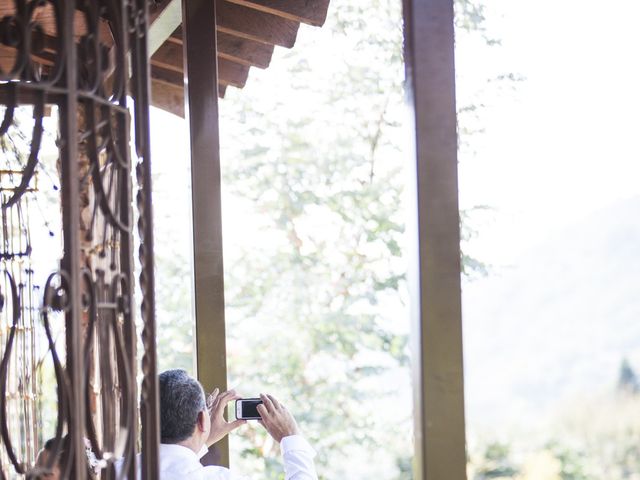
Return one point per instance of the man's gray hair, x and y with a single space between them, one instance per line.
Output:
181 399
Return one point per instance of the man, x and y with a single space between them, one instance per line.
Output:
48 467
52 473
189 424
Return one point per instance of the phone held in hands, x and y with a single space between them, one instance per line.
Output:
247 409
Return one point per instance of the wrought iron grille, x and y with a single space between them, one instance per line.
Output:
83 64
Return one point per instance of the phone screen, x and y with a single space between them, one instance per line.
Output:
249 407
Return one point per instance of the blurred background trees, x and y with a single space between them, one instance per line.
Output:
314 261
314 232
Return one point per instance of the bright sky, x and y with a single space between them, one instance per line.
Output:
564 143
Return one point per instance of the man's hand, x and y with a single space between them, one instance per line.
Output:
276 418
216 403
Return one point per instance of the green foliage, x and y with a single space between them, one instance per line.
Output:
470 17
593 439
495 463
571 461
470 265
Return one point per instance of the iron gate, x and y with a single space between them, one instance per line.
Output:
83 65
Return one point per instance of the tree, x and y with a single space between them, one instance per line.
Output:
494 463
627 379
311 303
320 294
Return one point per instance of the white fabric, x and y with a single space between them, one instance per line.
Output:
298 458
178 462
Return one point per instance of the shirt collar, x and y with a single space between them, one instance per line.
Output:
180 451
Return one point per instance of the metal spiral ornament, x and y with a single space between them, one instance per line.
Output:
81 318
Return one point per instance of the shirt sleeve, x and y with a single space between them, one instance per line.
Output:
298 458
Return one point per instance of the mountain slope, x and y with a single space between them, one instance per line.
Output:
556 325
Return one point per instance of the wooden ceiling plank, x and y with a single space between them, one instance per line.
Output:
255 25
164 18
167 97
251 24
312 12
176 37
244 51
45 17
232 73
169 77
170 97
169 56
229 73
236 49
51 44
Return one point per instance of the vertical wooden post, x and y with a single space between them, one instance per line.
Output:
437 324
201 108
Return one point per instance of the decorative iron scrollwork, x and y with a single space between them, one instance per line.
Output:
24 33
93 286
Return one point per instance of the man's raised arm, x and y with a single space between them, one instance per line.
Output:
296 451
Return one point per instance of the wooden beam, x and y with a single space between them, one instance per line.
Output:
254 25
229 73
170 97
169 77
164 18
435 286
311 12
237 49
244 51
230 48
167 97
27 96
7 58
45 17
168 56
202 101
176 79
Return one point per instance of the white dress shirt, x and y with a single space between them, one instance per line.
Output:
178 462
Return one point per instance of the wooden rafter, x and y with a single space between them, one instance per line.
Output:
312 12
254 25
229 73
164 18
247 32
170 97
45 17
236 49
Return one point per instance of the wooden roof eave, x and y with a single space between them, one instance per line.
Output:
248 31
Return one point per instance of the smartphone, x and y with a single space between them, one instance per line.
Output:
247 409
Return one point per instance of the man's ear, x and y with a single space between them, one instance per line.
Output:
200 423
